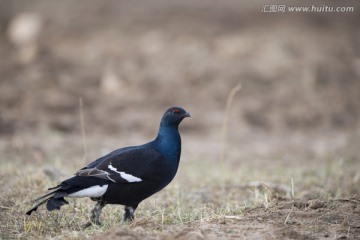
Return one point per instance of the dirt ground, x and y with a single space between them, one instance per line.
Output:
281 221
92 76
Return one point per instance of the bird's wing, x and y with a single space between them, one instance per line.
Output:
130 166
101 159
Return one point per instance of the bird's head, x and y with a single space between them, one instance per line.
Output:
173 116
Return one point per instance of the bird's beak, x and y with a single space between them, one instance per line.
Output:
185 115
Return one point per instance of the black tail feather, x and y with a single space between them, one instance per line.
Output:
46 195
60 194
56 187
55 198
53 203
36 207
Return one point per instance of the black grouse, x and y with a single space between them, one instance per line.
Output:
125 176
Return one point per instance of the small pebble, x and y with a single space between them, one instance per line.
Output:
315 204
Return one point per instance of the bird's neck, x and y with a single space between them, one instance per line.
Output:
168 142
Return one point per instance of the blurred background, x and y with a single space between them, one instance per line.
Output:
128 61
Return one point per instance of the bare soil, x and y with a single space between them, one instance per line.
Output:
284 220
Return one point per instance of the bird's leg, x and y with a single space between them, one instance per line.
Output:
129 214
95 214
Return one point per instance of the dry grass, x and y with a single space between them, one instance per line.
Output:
200 194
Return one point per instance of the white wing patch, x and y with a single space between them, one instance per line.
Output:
124 175
93 191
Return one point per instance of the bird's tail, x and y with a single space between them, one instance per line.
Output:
54 200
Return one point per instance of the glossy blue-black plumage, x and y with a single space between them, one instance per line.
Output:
151 166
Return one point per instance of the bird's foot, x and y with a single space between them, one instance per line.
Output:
91 223
126 220
86 225
95 215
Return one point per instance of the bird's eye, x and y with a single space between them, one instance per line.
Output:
176 111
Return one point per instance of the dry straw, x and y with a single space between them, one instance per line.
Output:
225 125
